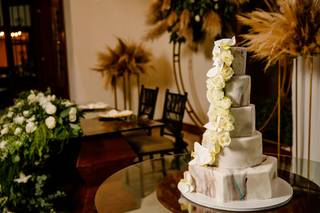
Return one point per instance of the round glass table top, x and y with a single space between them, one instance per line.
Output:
151 186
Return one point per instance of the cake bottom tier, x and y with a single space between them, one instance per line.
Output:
235 184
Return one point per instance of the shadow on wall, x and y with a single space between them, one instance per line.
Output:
161 75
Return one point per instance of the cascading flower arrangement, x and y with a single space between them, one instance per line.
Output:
221 122
126 57
190 21
33 131
293 30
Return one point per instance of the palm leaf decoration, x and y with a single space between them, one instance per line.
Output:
292 30
127 57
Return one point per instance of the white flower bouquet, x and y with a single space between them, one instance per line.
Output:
32 131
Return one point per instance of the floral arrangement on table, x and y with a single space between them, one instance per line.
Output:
292 30
33 131
192 21
126 57
221 122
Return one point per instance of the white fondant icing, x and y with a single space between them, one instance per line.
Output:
236 184
239 61
244 121
238 90
242 152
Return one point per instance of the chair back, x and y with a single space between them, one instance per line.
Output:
147 102
173 112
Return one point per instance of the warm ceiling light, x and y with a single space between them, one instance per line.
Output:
1 34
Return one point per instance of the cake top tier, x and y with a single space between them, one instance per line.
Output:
239 60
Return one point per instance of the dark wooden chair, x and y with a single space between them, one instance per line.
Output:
147 102
171 136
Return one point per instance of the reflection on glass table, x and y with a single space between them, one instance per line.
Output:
151 186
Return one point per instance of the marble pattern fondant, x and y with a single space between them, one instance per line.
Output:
236 184
239 61
243 152
245 121
238 90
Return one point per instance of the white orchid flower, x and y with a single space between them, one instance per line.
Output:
216 69
22 178
202 155
225 43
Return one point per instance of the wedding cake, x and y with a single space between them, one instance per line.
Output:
229 165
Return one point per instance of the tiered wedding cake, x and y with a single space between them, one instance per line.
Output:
229 165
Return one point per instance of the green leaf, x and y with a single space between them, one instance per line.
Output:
65 113
39 140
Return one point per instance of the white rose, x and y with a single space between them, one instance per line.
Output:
3 144
227 57
18 143
227 72
19 120
218 82
50 122
32 98
214 95
185 187
224 103
226 125
17 131
51 97
4 131
43 101
26 113
50 108
33 118
39 96
215 111
73 114
30 127
186 184
224 139
10 114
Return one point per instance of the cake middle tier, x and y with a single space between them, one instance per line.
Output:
238 90
245 121
242 152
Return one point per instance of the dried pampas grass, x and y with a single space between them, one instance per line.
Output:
293 30
126 57
193 22
237 2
